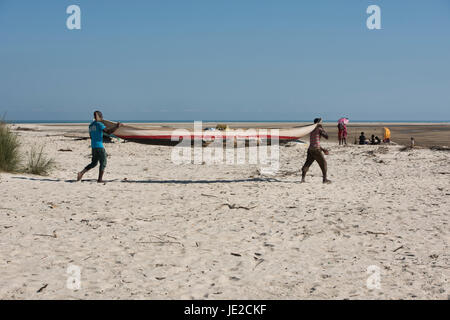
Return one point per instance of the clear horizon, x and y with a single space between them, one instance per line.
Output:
225 60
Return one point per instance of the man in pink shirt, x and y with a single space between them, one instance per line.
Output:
315 151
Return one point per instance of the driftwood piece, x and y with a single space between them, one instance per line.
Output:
440 148
377 233
42 288
235 206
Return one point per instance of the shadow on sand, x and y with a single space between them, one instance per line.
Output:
202 181
59 180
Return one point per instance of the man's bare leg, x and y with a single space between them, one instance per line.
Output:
324 167
100 176
305 169
309 161
324 172
81 174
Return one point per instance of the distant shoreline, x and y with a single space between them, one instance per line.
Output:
355 122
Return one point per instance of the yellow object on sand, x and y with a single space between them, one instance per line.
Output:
222 127
387 134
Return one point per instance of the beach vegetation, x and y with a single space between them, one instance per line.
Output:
38 163
10 157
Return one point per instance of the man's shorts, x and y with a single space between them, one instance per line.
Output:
98 155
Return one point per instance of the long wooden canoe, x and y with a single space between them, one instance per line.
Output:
173 136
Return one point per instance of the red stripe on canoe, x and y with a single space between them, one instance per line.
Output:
202 137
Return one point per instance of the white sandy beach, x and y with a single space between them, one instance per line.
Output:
158 230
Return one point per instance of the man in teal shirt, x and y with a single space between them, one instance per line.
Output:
96 130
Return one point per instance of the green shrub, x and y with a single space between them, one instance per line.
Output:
9 149
38 163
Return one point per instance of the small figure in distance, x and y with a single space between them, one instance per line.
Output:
362 139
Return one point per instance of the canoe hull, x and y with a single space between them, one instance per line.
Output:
173 136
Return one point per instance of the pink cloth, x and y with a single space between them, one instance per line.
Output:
343 132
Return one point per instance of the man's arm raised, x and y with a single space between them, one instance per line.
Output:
111 130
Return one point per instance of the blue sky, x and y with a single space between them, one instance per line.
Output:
225 60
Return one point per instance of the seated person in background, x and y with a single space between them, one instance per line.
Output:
362 139
372 140
377 140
